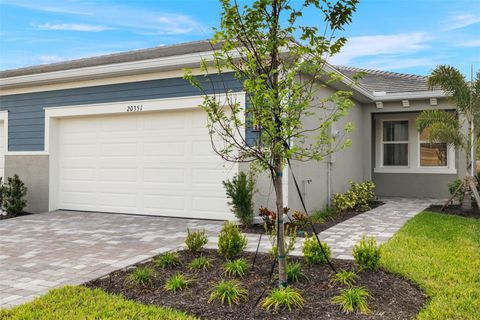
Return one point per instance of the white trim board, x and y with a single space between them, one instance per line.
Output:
114 108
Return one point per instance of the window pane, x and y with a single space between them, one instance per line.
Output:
433 154
395 154
395 131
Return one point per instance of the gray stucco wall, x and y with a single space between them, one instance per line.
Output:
346 164
34 171
432 185
26 116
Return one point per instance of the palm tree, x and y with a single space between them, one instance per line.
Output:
449 127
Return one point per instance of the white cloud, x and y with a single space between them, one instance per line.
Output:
50 59
470 44
120 16
462 21
72 27
397 63
370 46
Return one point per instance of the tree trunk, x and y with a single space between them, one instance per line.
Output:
282 264
467 197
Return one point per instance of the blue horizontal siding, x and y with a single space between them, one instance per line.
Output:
27 118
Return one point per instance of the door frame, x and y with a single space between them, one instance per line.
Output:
53 114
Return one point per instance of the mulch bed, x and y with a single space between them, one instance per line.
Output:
392 297
319 226
10 216
454 209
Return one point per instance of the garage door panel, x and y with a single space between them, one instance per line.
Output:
145 163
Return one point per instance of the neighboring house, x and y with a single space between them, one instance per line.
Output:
123 133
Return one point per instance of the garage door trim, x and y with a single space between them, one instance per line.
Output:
140 106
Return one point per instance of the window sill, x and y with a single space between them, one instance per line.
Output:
416 170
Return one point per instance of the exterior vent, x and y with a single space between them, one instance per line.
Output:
433 101
379 104
406 103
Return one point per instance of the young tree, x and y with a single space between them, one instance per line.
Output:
281 62
449 127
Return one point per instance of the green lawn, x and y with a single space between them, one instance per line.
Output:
82 303
441 253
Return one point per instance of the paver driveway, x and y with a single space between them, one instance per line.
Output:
48 250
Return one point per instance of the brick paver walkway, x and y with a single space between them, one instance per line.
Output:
49 250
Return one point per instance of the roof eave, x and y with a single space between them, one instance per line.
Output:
108 70
417 95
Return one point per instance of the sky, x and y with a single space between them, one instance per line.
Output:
396 35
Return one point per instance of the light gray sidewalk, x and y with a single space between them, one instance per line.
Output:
381 222
45 251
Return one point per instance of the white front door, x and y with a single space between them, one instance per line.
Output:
155 163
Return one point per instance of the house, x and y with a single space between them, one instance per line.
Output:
123 133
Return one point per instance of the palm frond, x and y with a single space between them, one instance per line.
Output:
443 126
453 82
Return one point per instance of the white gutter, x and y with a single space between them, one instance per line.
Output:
410 95
124 68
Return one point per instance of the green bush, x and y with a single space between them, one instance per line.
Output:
453 186
358 197
236 268
353 299
140 277
231 242
240 191
322 215
283 298
344 277
294 272
230 291
167 260
312 252
14 192
200 264
196 240
367 254
177 282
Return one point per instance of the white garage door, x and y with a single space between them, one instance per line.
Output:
158 163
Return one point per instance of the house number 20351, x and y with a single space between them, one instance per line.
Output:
135 108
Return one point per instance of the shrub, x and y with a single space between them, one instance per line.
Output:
299 218
344 277
453 186
196 240
231 241
200 263
269 218
313 253
177 282
140 277
283 298
353 299
236 268
230 291
289 241
167 260
367 253
14 192
358 197
294 272
240 191
322 215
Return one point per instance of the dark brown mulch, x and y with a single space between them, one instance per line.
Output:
319 226
392 297
454 209
10 216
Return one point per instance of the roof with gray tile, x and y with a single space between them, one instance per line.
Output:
372 80
136 55
386 81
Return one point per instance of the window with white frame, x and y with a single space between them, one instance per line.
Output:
395 143
433 154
